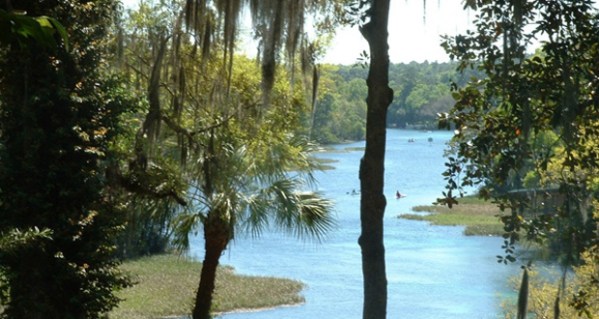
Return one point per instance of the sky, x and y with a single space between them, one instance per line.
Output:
414 32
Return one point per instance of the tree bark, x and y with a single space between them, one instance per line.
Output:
216 238
372 168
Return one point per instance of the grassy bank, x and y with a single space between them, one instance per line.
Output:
325 163
166 286
479 217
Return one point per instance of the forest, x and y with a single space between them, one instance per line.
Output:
421 92
126 131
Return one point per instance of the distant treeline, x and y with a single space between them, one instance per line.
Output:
421 91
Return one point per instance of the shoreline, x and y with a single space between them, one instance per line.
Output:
260 309
480 218
236 311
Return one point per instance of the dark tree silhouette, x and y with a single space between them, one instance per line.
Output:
372 168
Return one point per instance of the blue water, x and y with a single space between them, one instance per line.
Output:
433 271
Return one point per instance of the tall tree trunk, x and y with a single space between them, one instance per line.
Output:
216 238
372 168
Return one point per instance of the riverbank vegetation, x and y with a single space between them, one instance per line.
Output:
481 218
421 91
579 293
165 285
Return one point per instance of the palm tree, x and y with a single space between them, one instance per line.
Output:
247 185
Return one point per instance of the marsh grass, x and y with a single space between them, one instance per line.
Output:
325 164
166 285
479 217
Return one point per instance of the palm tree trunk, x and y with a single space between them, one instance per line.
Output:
216 240
372 168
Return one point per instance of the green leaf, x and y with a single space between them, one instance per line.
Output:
61 31
44 22
24 28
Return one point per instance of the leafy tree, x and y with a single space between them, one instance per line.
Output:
323 120
58 117
341 110
145 46
502 119
237 155
421 91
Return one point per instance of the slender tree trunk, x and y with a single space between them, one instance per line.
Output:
216 239
372 168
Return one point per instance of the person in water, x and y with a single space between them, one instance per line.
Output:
397 195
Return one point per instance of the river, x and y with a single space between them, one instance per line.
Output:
433 271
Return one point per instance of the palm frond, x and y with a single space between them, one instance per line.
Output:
306 215
262 184
255 217
314 218
185 225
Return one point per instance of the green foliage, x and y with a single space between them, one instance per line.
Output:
14 240
222 140
421 92
531 121
148 164
58 118
248 179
